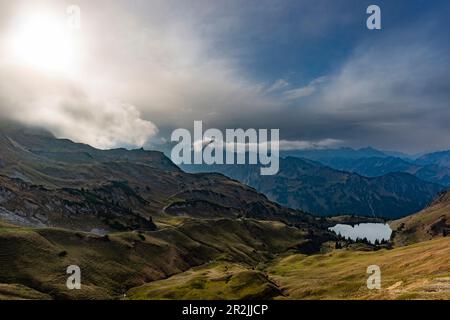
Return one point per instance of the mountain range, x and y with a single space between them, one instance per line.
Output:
313 187
370 162
59 183
128 217
427 170
141 228
343 153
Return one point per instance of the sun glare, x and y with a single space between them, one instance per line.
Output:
45 43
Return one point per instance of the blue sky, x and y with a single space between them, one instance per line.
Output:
309 68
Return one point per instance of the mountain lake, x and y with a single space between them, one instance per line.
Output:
371 231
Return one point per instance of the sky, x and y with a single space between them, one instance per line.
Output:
136 70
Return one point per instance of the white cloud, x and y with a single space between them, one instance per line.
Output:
305 145
305 91
278 85
285 145
70 110
117 125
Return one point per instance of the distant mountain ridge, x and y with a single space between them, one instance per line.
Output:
308 185
370 162
378 166
440 158
344 152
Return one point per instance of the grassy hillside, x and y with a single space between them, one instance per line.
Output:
245 259
415 272
37 258
219 280
420 271
20 292
432 222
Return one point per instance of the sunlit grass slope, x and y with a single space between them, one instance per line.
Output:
420 271
213 281
38 258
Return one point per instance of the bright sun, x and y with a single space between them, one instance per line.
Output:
42 42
